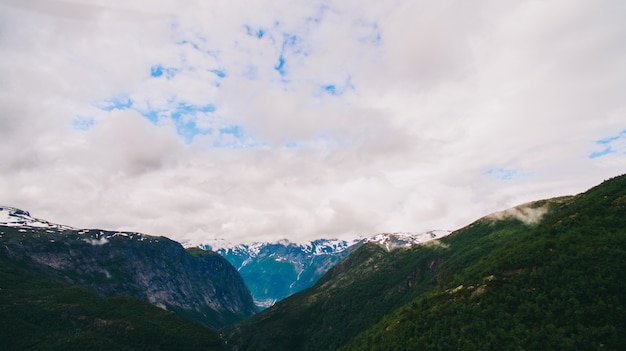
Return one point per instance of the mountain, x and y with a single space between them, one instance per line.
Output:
39 310
392 241
273 271
557 286
194 283
544 275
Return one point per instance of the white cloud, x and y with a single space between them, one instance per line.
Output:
440 113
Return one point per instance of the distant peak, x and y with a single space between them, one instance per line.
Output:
15 217
389 241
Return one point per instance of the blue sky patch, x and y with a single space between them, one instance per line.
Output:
186 127
233 130
188 130
331 89
189 120
156 71
184 108
234 137
506 174
152 116
291 145
371 33
609 145
159 71
119 103
187 42
606 151
83 123
289 40
280 66
219 73
257 33
338 89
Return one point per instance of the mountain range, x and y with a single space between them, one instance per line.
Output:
274 270
546 275
197 284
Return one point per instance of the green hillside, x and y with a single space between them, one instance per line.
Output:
559 286
548 275
507 281
39 312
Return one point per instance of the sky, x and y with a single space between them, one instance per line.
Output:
253 120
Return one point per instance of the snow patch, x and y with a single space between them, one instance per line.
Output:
14 217
391 241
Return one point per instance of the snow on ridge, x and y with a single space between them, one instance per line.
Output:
328 246
325 246
400 239
315 247
14 217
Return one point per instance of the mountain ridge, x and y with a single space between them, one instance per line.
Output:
543 275
275 270
201 286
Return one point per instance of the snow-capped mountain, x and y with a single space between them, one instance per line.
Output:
391 241
14 217
271 270
275 270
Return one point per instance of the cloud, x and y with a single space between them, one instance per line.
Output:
264 120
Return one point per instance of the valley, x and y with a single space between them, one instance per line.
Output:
546 275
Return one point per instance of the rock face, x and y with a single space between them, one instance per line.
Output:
197 284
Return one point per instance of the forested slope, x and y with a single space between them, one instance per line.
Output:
39 312
557 286
370 283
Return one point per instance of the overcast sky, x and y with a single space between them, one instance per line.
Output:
262 120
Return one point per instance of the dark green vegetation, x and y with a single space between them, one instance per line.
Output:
62 288
199 285
39 311
505 282
508 281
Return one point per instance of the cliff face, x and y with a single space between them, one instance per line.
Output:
197 284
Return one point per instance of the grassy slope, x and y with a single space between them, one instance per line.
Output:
559 286
38 312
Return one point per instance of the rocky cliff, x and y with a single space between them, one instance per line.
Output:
197 284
